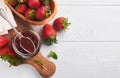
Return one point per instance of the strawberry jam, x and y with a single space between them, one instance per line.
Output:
33 47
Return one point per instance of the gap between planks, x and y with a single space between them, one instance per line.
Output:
94 4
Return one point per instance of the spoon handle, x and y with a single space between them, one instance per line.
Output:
4 15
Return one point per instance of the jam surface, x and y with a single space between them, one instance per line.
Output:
26 44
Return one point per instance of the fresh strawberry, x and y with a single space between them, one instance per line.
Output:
40 13
21 8
7 50
12 2
7 54
45 6
34 3
61 23
30 13
22 1
47 9
49 34
46 2
3 41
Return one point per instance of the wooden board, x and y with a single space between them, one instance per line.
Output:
48 68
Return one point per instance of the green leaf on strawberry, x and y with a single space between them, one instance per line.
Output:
22 1
51 40
30 13
61 23
46 2
65 23
48 12
11 60
7 54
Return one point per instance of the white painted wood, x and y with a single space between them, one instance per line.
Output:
86 60
91 23
75 60
92 20
88 2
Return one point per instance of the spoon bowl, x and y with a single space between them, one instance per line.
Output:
29 34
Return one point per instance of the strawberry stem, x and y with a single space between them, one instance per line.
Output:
20 1
51 40
48 12
12 60
46 2
65 23
32 13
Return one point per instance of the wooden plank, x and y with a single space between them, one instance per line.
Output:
88 2
86 60
91 23
75 59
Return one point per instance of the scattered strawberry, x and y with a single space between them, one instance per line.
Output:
22 1
7 50
40 13
30 13
7 54
49 34
61 23
12 2
34 3
3 41
21 8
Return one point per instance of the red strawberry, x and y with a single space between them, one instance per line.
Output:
3 41
40 13
49 34
7 50
21 8
45 6
22 1
30 14
47 9
12 2
61 23
45 2
34 3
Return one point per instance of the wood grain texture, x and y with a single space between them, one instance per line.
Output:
48 68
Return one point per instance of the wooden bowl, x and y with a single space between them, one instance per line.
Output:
54 9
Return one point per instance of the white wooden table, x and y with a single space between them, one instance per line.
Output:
89 49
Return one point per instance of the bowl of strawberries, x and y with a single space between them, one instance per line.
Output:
35 12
